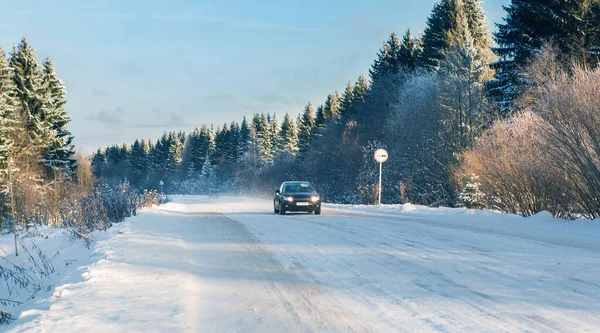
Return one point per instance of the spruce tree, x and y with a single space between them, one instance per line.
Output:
386 81
233 141
175 154
331 108
359 95
409 54
198 147
27 77
58 154
245 140
434 36
116 163
99 164
137 166
9 118
572 26
464 70
264 138
158 161
305 129
289 137
346 100
435 40
274 128
386 61
220 150
320 119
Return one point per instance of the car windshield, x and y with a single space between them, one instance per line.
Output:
297 188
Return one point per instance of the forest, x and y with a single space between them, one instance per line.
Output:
507 120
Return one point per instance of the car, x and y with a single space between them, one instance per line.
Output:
296 196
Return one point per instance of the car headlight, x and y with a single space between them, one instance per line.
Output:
289 199
314 198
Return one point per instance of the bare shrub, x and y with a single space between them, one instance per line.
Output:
513 167
570 104
369 193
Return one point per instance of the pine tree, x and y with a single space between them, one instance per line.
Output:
442 19
305 129
220 150
346 100
386 80
409 54
359 95
58 154
233 141
208 176
572 26
245 140
331 108
27 77
159 161
263 131
387 59
99 164
137 166
175 155
274 128
289 137
9 118
320 120
465 70
116 163
197 147
434 36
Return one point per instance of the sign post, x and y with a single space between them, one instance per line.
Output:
381 155
161 184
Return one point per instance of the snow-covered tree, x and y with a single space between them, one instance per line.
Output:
27 77
410 52
331 108
262 127
289 137
435 40
9 117
359 95
465 70
346 100
137 164
58 153
572 26
305 129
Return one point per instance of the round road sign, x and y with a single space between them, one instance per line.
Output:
381 155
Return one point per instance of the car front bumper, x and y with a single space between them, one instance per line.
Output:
299 207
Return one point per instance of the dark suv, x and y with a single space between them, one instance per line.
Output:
296 197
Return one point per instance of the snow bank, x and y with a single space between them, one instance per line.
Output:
47 257
540 227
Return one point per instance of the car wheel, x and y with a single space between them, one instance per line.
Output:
281 210
275 210
318 211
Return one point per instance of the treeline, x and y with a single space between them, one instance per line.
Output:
431 100
42 181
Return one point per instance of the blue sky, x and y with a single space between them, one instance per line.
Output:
137 68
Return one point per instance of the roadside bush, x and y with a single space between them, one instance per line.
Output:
570 103
513 167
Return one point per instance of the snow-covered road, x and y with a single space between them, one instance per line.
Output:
231 265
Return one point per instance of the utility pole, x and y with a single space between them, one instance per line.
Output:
12 205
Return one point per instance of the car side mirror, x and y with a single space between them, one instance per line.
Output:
277 192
